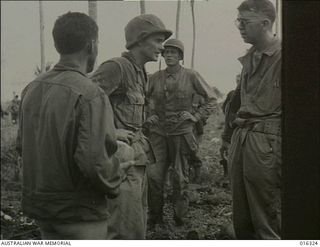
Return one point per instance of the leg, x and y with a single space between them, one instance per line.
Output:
241 213
262 164
127 211
183 146
156 177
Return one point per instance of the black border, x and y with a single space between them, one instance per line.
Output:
301 121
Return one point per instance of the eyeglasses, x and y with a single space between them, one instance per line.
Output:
241 22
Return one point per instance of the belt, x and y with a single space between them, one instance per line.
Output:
267 126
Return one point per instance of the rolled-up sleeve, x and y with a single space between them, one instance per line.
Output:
96 143
202 88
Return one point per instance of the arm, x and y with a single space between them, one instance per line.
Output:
232 106
96 142
151 114
210 102
108 77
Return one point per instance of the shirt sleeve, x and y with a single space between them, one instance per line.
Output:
96 144
150 106
210 101
108 77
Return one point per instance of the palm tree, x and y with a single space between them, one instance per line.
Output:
178 18
41 36
142 7
194 33
92 9
38 71
278 20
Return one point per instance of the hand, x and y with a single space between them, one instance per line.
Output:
154 119
126 165
124 135
224 150
185 115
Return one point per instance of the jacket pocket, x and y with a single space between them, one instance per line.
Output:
135 106
270 97
182 99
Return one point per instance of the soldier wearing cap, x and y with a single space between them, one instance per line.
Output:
124 80
171 124
255 150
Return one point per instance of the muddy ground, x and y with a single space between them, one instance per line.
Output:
210 208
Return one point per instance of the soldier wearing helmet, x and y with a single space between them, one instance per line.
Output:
171 122
124 80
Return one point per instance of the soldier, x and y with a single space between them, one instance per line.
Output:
171 128
67 138
124 79
230 116
255 151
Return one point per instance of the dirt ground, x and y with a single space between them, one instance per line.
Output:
210 208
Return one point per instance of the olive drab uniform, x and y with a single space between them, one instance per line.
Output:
125 83
255 151
171 138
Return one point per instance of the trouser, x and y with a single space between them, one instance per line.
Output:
255 172
168 150
85 230
128 211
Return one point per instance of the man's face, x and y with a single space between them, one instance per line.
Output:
250 25
93 56
152 47
171 56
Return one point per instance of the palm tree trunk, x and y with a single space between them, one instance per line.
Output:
178 18
142 7
92 9
42 52
194 34
279 18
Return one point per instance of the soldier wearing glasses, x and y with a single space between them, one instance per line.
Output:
255 151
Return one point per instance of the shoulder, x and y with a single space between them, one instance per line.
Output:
116 61
156 75
90 90
190 72
76 83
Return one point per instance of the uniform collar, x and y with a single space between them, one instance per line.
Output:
68 66
275 47
174 74
129 56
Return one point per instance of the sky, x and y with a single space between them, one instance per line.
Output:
218 42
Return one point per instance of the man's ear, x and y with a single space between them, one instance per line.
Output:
89 48
267 23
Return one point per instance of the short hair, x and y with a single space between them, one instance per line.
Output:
259 6
72 31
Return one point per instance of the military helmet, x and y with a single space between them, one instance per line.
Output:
176 44
142 26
